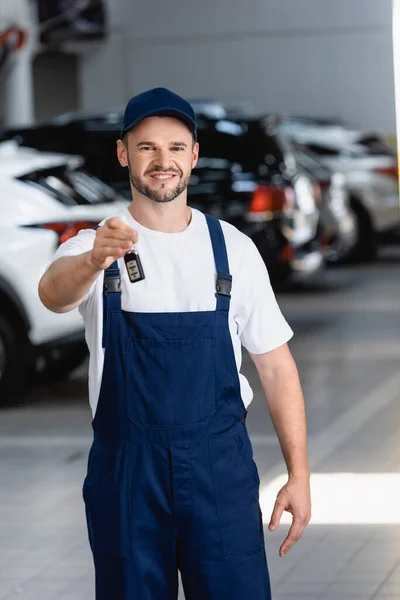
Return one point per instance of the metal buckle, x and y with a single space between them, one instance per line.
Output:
112 284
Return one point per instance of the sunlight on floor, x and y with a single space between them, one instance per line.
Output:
344 498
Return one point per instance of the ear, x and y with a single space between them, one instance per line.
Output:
122 153
195 154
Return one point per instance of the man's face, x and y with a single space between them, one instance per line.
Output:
160 155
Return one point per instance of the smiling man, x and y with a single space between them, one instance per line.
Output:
171 482
145 151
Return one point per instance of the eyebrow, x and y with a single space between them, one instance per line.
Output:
153 144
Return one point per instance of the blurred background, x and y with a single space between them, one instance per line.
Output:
297 128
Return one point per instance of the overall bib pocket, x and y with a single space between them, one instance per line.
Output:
237 497
170 383
107 497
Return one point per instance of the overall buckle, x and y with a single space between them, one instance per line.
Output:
112 284
224 284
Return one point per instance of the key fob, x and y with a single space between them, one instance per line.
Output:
134 266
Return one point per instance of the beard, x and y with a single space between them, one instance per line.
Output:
162 195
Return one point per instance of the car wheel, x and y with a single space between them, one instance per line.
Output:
13 365
58 363
366 246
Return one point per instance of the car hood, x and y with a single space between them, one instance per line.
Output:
16 160
21 204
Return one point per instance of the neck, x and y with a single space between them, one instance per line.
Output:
171 217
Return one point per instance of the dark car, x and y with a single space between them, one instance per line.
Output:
242 177
283 211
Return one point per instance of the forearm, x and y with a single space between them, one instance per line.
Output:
282 389
67 281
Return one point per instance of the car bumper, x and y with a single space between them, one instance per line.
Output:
307 264
78 337
283 261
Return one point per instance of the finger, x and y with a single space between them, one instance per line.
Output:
107 252
113 243
119 234
117 223
295 533
276 514
114 223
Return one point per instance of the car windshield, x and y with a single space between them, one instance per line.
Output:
70 186
374 145
336 140
243 142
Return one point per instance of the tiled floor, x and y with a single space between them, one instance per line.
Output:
347 347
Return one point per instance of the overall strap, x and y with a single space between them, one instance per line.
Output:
111 293
223 284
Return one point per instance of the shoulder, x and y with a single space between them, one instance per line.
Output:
238 244
245 261
240 247
233 234
82 242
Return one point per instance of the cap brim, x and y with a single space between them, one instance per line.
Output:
164 112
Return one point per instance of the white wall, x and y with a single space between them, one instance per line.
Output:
318 57
17 104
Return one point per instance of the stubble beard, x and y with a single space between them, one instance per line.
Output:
159 196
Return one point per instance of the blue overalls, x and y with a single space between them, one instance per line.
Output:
171 481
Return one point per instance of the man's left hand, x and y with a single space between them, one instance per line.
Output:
295 498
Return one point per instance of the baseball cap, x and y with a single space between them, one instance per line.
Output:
158 102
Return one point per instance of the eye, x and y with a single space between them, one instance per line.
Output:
178 148
146 148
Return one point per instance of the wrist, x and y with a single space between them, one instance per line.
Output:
300 474
91 264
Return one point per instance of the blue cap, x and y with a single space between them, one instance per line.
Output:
158 102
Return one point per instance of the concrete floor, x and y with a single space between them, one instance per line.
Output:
347 347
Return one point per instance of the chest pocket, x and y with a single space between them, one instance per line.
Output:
170 383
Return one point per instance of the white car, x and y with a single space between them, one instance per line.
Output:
44 200
371 171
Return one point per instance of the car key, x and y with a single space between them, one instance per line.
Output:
134 266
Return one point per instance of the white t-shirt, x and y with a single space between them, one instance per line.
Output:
180 277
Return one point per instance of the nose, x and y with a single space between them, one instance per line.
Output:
163 159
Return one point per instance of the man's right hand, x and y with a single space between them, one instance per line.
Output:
66 282
113 240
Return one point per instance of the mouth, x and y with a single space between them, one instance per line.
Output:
163 176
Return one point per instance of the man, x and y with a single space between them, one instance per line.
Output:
171 481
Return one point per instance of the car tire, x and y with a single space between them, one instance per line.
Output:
13 363
366 246
58 363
